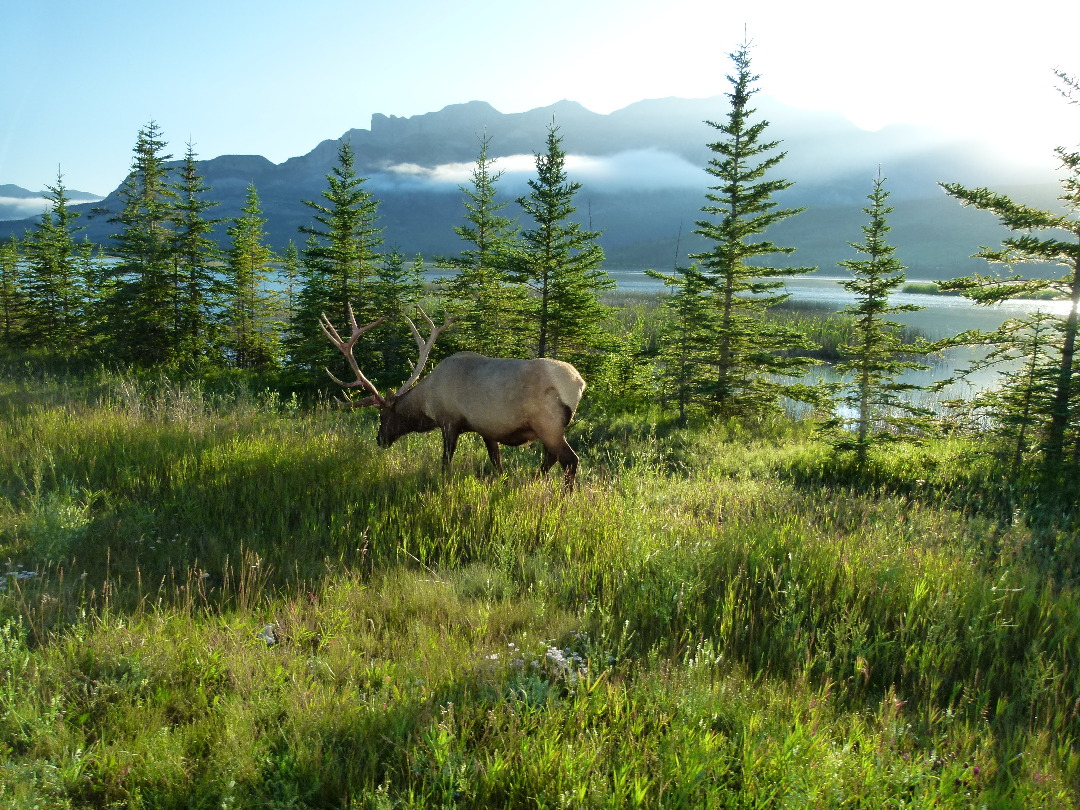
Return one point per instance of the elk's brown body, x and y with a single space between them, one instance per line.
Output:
508 402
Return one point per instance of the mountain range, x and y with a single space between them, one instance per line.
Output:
643 181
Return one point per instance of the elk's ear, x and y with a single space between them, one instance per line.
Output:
389 400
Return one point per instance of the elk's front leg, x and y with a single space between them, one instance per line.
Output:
494 453
450 435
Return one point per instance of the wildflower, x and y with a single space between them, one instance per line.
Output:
556 657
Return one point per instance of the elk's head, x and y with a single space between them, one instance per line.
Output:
394 422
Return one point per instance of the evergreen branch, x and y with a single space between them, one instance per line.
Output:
1015 216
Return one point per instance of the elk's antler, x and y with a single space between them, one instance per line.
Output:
424 346
346 348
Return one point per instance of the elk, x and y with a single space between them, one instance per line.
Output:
506 401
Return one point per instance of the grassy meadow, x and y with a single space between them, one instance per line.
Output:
218 599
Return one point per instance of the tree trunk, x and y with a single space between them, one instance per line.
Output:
1059 417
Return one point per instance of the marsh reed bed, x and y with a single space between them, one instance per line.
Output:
222 599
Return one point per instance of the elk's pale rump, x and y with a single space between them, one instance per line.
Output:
506 401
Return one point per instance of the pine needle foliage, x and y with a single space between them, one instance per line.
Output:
1022 352
251 339
748 354
489 308
54 290
195 258
685 339
140 309
340 260
877 356
290 276
397 290
561 263
12 300
1048 237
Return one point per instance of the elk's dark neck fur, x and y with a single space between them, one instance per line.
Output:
410 415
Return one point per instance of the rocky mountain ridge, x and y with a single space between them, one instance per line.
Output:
642 170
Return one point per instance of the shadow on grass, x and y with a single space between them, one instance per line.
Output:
213 523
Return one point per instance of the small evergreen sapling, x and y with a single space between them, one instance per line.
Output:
877 357
488 307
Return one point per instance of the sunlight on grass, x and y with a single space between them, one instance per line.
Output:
230 602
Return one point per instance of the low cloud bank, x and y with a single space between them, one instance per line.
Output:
21 207
647 169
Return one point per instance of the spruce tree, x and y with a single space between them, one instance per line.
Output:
53 290
93 271
1022 351
686 336
252 339
290 277
396 291
142 305
873 361
1046 237
197 297
489 309
748 351
561 263
11 293
339 262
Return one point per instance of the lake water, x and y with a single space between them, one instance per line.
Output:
942 316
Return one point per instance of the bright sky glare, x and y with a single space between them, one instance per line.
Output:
276 77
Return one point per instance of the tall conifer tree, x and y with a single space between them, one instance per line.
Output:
339 262
748 351
1048 237
561 263
11 293
197 297
252 338
54 291
142 305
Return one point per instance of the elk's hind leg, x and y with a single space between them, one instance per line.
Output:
563 453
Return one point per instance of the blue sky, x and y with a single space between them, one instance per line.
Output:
275 78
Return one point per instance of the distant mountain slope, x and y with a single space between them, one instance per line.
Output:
642 169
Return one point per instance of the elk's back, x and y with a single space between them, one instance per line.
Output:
498 396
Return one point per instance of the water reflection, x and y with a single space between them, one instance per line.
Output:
942 316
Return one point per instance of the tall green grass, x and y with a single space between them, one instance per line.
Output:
224 600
